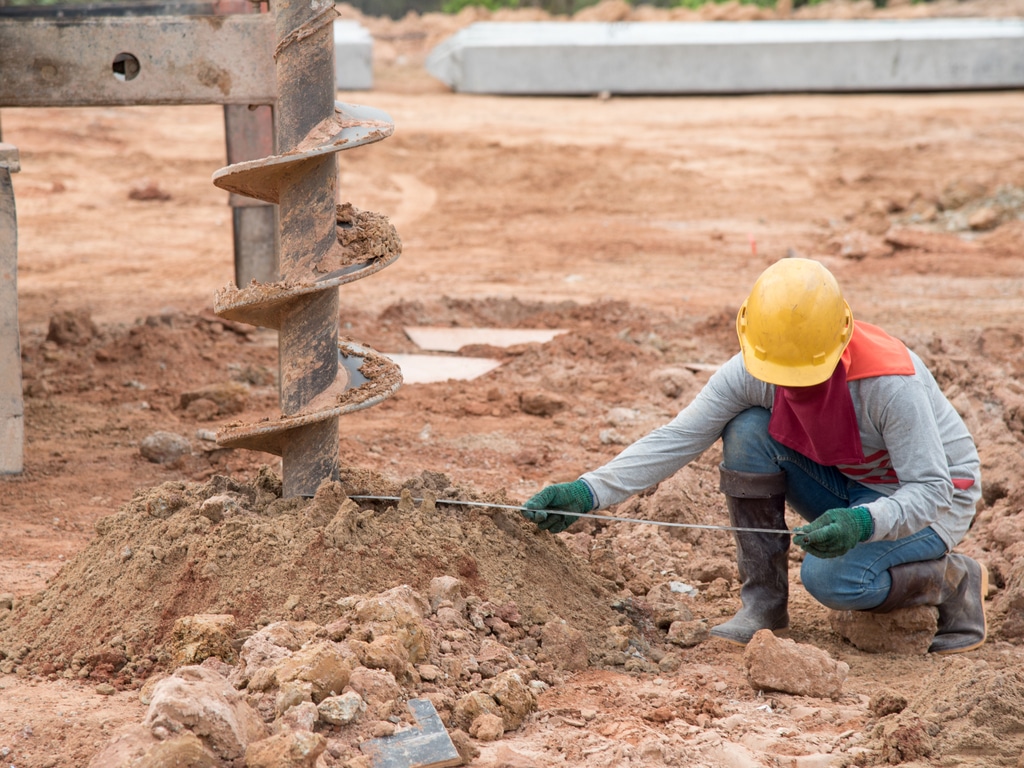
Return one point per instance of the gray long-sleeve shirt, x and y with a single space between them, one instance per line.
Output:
907 428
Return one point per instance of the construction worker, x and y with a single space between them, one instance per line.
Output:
847 425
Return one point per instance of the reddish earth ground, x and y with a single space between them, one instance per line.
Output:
635 224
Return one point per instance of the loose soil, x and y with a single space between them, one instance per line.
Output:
635 224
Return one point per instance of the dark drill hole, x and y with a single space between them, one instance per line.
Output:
126 67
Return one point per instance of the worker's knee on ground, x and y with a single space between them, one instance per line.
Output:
833 583
744 437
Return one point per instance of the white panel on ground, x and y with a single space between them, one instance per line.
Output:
425 369
441 339
353 56
574 58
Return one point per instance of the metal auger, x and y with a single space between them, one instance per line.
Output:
322 246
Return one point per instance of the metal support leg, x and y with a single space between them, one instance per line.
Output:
12 407
249 134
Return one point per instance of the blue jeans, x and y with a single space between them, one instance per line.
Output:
858 580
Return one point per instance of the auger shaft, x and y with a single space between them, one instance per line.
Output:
308 340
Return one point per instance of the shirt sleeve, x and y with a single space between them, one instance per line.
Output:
666 450
900 408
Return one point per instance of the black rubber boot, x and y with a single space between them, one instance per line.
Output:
956 585
757 500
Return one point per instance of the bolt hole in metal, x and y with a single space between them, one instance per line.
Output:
126 67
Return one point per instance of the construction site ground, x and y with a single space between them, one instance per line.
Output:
636 226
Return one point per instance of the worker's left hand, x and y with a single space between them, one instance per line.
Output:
570 497
835 532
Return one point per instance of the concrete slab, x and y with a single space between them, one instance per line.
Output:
426 369
559 58
353 56
12 404
442 339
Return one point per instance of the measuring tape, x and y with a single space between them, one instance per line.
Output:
606 518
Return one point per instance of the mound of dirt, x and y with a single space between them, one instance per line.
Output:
226 547
967 707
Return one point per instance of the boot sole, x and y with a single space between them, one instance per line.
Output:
984 619
778 631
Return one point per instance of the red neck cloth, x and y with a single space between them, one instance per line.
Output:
820 421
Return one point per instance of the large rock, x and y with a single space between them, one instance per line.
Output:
199 700
323 664
906 631
775 664
514 697
667 605
399 612
563 646
136 746
288 749
197 638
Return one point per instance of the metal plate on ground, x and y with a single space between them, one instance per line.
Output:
428 746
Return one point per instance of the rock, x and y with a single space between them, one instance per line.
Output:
292 694
776 664
930 242
196 638
464 745
205 703
386 653
515 698
471 706
429 673
487 727
612 437
288 749
136 745
564 647
72 328
399 612
667 605
216 508
321 663
164 447
905 739
228 398
959 192
377 687
301 717
857 245
983 219
905 630
264 649
688 633
342 710
538 402
444 589
886 703
508 758
494 658
146 190
673 382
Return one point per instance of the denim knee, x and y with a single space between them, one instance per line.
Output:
746 445
838 583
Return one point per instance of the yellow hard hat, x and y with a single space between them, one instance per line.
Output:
794 325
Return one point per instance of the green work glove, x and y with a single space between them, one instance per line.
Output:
570 497
835 532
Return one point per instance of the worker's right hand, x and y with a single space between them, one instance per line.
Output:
574 497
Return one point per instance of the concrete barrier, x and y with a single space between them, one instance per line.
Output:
12 405
353 56
575 58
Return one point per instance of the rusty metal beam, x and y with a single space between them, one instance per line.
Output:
122 61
